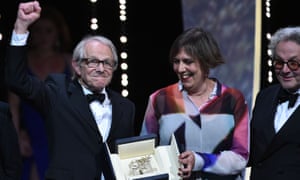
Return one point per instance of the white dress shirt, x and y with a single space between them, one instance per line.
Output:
19 39
102 113
283 113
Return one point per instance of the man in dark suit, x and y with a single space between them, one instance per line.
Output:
10 157
275 125
77 126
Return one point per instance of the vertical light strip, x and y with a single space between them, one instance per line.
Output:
94 20
1 36
257 50
268 37
123 50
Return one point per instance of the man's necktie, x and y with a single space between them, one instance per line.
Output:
284 96
92 97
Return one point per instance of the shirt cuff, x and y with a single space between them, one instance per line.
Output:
19 39
199 162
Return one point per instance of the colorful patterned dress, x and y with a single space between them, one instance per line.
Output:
218 131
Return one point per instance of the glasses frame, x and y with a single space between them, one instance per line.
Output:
290 63
94 63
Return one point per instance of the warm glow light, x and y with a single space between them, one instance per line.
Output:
124 76
124 55
125 92
93 1
123 39
124 82
124 66
94 20
94 26
122 7
123 18
122 1
122 12
270 79
270 62
270 73
269 52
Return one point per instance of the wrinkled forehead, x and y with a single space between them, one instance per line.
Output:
287 49
97 49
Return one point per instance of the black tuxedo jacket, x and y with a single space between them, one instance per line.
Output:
75 143
10 157
273 156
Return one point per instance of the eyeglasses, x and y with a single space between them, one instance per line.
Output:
94 63
292 64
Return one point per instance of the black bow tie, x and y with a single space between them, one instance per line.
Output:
96 96
284 96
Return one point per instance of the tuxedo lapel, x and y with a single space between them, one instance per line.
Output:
116 112
269 130
289 128
288 132
79 102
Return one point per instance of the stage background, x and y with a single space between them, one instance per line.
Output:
232 23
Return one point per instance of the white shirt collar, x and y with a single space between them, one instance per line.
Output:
87 91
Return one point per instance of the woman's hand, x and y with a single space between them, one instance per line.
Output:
187 159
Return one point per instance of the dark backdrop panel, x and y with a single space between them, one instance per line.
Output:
151 29
232 23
